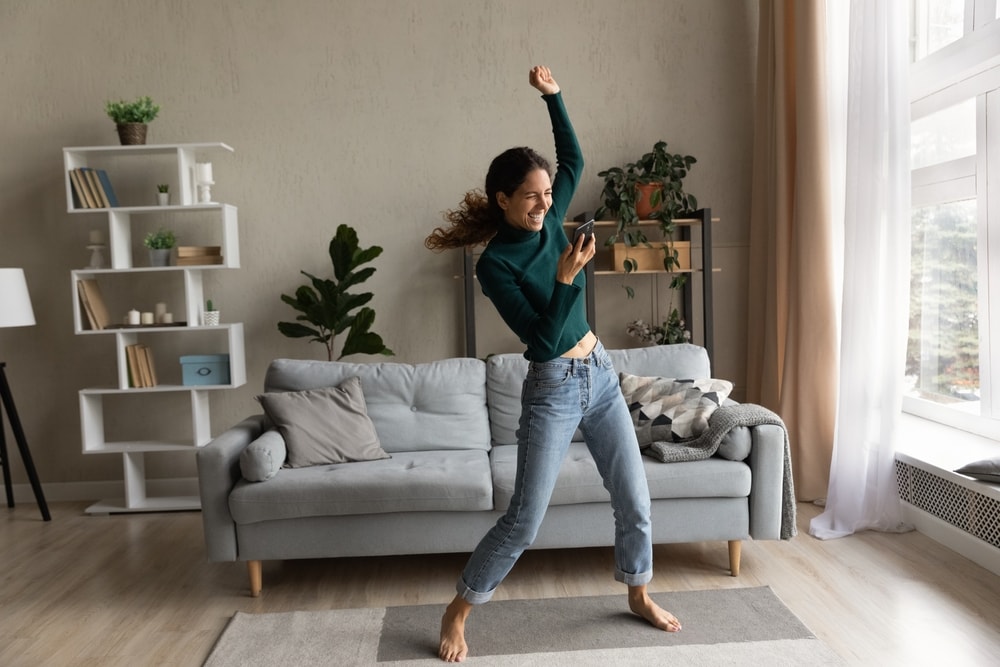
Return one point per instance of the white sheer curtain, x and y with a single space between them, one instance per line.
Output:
876 212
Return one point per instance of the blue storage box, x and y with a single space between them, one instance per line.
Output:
205 369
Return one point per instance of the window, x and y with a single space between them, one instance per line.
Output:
951 372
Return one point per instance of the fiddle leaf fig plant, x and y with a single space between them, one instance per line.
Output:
326 307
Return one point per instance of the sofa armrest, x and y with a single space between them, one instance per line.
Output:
218 471
767 465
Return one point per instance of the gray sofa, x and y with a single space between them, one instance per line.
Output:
449 426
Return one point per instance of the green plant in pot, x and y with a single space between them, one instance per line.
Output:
160 243
650 188
132 118
327 308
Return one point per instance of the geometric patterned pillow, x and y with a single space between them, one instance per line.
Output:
671 410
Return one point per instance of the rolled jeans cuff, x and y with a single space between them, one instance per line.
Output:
471 596
639 579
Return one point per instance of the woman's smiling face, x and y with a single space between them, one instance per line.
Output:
527 206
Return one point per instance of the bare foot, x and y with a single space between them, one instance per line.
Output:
642 605
453 647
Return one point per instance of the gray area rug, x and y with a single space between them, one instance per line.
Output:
742 626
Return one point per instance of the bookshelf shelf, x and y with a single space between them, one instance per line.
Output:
133 171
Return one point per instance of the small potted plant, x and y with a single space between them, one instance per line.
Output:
131 118
671 331
160 243
651 188
163 194
210 318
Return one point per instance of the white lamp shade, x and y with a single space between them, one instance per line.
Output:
15 304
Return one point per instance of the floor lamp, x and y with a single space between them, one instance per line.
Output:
15 311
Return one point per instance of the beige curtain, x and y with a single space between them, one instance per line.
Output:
792 329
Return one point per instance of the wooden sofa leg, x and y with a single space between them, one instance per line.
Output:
255 569
735 549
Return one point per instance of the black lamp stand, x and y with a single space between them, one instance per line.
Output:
22 446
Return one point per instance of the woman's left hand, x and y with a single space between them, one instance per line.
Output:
575 257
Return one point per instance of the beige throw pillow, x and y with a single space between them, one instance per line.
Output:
321 426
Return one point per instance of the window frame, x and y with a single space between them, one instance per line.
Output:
964 69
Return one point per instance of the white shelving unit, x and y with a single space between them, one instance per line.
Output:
130 166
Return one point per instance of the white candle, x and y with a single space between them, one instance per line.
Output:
147 318
160 310
168 318
203 172
133 316
96 237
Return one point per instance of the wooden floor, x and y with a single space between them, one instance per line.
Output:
136 589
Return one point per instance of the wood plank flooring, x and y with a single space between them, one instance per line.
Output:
137 590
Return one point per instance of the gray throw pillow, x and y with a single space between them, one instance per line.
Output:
987 470
671 410
327 425
263 457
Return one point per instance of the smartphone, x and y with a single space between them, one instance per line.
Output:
583 230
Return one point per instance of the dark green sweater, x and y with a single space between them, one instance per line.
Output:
517 271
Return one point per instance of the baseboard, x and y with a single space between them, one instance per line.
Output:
59 492
956 539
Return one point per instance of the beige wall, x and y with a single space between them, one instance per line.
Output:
376 113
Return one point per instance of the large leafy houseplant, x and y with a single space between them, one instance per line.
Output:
328 305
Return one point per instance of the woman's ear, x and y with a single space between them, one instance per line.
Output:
502 201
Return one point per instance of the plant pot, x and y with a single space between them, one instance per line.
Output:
163 198
210 318
132 134
159 256
644 194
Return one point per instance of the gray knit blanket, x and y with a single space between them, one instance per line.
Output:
721 422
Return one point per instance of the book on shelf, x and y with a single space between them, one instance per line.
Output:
79 180
132 362
79 198
197 261
141 370
93 304
150 365
95 187
109 192
193 255
198 250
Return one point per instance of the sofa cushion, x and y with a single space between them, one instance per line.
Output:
671 410
580 482
325 425
433 406
457 481
263 457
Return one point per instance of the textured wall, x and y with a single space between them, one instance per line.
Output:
377 113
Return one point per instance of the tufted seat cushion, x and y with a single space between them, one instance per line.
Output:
427 481
579 481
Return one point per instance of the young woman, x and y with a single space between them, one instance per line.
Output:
532 274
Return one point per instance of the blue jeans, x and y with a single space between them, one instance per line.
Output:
557 396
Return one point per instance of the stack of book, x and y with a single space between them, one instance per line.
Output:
141 370
92 188
195 255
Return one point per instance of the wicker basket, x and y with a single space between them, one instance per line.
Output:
132 134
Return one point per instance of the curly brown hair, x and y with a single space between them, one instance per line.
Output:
472 223
478 218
